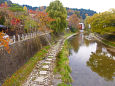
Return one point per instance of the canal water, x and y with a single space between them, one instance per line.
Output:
92 63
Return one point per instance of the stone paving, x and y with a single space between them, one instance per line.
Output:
42 74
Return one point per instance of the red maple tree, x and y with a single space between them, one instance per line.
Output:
44 21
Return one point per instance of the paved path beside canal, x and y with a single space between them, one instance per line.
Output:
42 74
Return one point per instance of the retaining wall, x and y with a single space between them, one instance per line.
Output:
21 52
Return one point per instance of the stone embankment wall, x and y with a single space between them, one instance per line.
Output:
21 52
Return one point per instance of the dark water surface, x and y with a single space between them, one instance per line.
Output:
91 62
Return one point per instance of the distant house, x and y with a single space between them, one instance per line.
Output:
82 27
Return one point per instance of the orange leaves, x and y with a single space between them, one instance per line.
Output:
44 20
4 42
4 4
74 21
31 11
44 17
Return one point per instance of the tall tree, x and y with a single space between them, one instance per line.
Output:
1 1
2 18
6 4
16 8
86 22
103 23
73 22
78 14
43 23
58 12
25 9
30 24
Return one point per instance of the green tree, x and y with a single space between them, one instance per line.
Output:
73 23
86 22
30 24
103 23
4 1
2 18
16 8
78 14
1 1
58 12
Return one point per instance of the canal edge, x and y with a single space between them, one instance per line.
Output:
97 38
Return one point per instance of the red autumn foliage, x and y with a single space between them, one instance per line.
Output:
44 17
31 12
15 21
3 5
74 21
44 20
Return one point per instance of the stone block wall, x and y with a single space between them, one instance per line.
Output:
21 52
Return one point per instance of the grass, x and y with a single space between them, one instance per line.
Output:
63 84
108 43
62 66
21 75
68 34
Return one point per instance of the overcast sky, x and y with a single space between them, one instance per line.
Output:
97 5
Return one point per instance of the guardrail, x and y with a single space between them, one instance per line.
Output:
24 37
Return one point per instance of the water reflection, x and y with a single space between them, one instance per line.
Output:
102 64
86 42
91 63
75 44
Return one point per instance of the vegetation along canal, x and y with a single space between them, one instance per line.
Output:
91 62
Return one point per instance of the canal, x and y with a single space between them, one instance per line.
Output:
91 62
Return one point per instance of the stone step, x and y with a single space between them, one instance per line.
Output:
42 75
35 85
47 62
46 66
43 72
51 56
39 79
49 59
